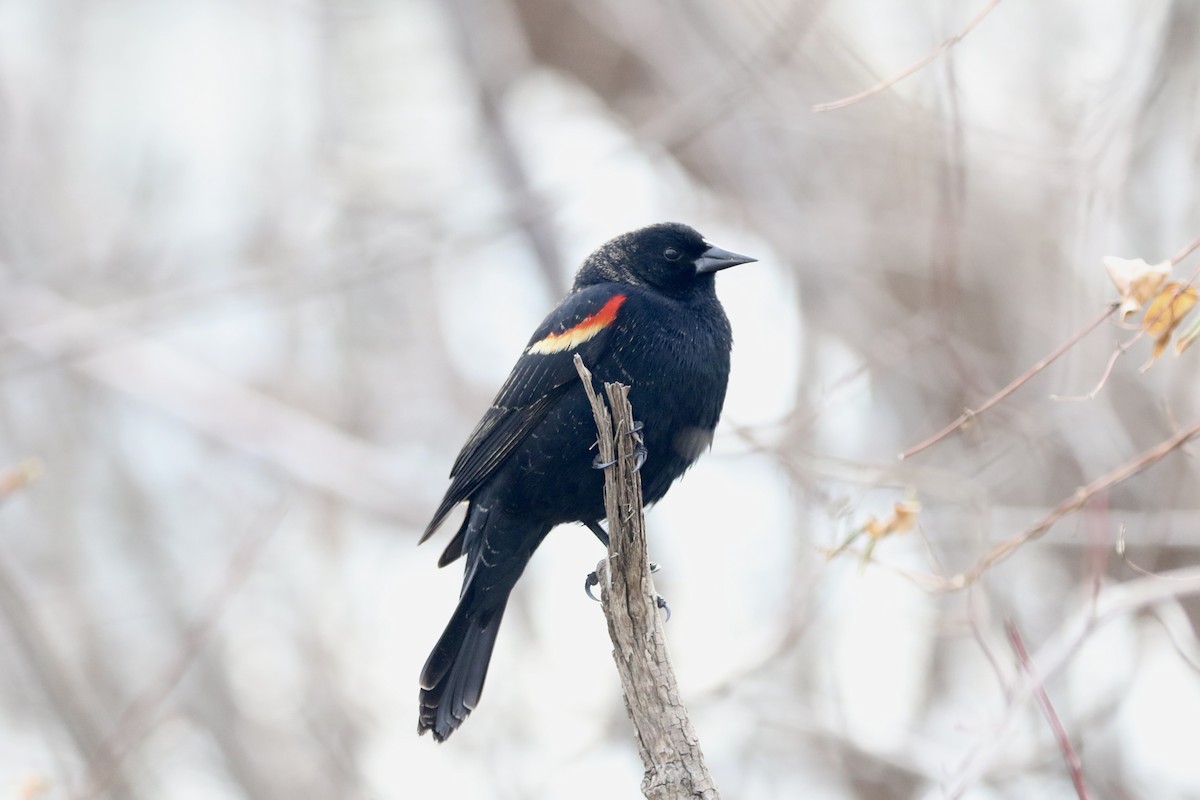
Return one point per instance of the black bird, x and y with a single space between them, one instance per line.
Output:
643 311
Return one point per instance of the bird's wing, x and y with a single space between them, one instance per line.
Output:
581 324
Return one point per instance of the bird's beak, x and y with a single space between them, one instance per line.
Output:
714 258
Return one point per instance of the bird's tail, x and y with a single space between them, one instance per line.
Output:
452 679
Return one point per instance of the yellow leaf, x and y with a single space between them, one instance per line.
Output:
1167 310
1136 280
901 520
18 477
33 787
906 515
1184 340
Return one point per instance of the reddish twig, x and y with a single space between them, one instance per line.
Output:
1113 602
917 65
1186 251
1074 765
1020 381
1112 362
1071 504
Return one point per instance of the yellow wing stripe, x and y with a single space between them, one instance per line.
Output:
581 332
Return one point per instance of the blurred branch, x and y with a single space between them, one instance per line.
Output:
1106 606
914 67
306 449
494 52
1108 368
1074 765
971 413
1184 252
51 675
667 743
1071 504
136 719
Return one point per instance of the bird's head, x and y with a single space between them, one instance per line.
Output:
669 256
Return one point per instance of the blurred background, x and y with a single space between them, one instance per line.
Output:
263 263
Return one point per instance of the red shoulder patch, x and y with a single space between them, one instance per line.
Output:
580 332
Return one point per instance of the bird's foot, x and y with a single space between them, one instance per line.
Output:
591 580
640 452
661 602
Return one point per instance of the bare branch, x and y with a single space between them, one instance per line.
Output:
308 450
667 743
1123 348
1073 503
1074 765
35 648
136 719
971 413
914 67
1108 605
1184 252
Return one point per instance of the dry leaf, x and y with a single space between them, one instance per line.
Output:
1165 313
33 787
901 520
18 477
1184 340
1136 280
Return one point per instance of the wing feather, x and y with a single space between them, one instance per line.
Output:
582 324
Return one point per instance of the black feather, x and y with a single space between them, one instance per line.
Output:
643 311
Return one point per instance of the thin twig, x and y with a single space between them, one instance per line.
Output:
136 719
970 414
1074 765
667 743
1113 602
1020 381
1123 348
917 65
1073 503
304 447
21 624
1186 251
1112 362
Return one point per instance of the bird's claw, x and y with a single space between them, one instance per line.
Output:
639 454
593 579
661 602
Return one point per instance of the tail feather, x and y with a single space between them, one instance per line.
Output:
497 548
453 677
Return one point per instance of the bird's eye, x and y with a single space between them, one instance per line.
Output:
671 254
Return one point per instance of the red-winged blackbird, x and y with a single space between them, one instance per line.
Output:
643 311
